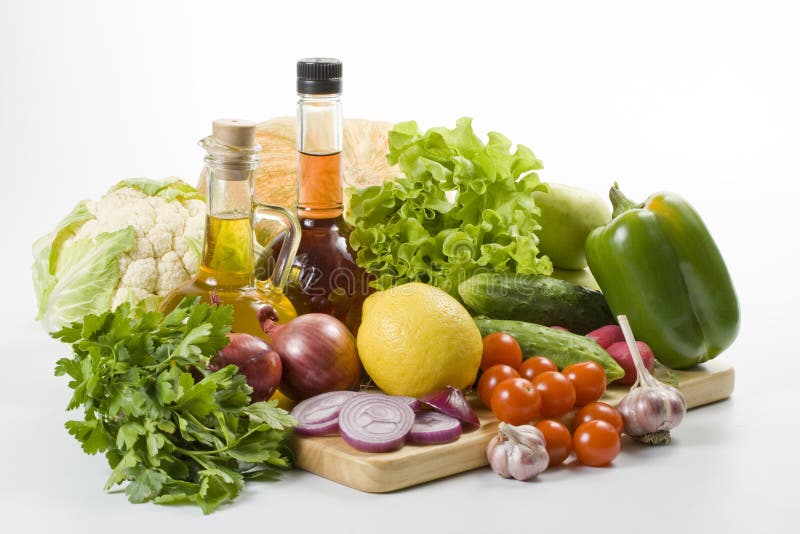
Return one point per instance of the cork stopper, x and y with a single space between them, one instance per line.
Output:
237 133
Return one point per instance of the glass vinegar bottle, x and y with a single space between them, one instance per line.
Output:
227 269
325 277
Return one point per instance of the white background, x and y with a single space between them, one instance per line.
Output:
702 98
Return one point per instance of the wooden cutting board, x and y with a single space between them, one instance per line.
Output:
332 458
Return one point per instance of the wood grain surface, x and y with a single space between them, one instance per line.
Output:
332 458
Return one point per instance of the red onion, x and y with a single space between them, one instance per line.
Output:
319 415
434 427
451 401
255 359
415 404
375 423
317 351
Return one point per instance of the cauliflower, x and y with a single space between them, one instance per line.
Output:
135 244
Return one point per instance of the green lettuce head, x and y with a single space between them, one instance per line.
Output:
461 207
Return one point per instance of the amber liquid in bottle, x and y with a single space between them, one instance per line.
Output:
325 277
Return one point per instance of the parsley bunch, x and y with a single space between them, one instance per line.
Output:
175 431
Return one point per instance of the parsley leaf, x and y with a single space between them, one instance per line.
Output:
175 432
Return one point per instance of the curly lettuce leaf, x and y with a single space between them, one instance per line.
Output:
408 230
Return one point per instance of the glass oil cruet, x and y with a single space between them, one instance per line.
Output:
227 269
325 277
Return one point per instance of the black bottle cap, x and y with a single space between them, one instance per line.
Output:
319 76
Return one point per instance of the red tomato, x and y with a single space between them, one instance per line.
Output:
536 365
516 402
558 440
558 393
490 378
589 380
500 347
599 411
596 443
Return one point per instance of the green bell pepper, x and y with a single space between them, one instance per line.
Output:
656 263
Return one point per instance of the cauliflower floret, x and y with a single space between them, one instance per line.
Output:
197 212
191 259
170 273
141 274
161 241
124 207
142 248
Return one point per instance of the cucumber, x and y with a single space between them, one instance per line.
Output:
562 347
536 298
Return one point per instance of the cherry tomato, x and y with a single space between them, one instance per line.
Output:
536 365
589 380
558 393
500 347
490 378
516 402
558 440
599 411
596 443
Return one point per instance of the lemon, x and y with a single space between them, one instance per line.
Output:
415 338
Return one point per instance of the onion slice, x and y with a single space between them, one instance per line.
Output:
319 415
434 427
375 423
451 401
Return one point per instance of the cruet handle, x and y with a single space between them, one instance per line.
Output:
291 242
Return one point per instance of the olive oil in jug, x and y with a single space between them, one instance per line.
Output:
227 269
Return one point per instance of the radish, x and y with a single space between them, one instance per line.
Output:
605 336
622 355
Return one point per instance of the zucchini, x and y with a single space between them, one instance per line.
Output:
536 298
562 347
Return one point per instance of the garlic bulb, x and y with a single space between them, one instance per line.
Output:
517 452
651 409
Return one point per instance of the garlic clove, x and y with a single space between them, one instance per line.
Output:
518 452
498 456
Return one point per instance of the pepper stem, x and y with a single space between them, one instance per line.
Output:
620 202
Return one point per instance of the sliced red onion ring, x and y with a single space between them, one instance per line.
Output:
434 427
375 423
451 401
319 415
